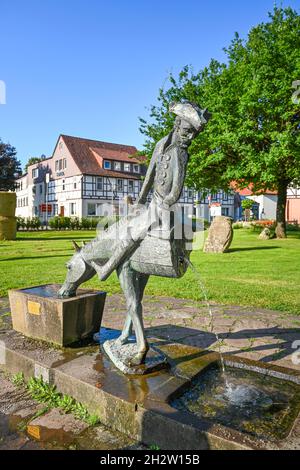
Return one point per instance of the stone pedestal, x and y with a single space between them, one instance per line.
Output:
39 313
120 356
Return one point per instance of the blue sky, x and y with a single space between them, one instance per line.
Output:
90 68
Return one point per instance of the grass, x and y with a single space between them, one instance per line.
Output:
254 273
45 393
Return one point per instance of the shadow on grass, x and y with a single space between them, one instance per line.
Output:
21 258
253 248
49 238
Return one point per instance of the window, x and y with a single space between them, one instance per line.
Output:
72 208
99 184
63 185
190 193
126 166
117 166
35 172
107 165
91 209
136 168
64 163
130 186
33 190
56 165
225 196
41 189
225 211
75 185
214 197
120 185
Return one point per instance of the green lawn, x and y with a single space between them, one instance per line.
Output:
254 272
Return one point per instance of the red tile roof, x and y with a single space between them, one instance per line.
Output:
249 190
86 153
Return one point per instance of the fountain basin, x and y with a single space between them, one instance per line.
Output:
258 404
38 312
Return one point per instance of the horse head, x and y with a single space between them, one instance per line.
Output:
78 272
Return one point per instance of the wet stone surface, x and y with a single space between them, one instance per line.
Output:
26 424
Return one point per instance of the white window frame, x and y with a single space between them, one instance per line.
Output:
35 173
120 187
107 165
136 168
72 208
127 167
117 166
88 207
99 180
131 186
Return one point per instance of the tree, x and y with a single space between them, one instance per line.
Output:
33 160
10 167
247 206
253 136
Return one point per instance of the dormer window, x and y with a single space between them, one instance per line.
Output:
136 168
126 166
117 166
107 165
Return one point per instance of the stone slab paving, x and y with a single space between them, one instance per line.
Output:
254 333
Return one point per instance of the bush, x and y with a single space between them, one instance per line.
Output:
259 225
21 223
86 223
75 223
294 227
54 223
237 225
60 223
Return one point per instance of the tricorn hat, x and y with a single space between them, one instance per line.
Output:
191 113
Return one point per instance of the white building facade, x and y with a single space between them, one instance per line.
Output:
84 177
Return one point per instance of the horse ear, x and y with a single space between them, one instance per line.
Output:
76 247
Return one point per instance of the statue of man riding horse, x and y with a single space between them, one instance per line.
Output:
144 242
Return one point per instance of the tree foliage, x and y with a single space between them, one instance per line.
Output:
9 166
247 203
33 160
253 136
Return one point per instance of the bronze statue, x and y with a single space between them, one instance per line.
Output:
143 243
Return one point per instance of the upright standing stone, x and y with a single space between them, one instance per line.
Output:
8 221
220 235
265 234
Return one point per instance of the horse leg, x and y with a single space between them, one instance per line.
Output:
127 330
133 287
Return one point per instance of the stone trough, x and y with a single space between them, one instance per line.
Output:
38 312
